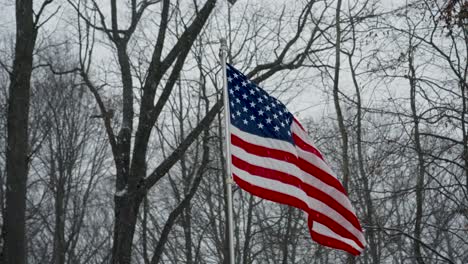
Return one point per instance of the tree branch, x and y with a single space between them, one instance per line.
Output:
167 164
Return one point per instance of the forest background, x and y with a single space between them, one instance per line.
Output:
111 129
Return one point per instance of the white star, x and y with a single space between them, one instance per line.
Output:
280 113
237 87
233 116
229 79
252 91
235 75
282 124
289 132
238 100
245 121
275 116
260 112
244 109
252 104
268 120
231 91
244 83
268 108
276 128
238 113
265 96
232 104
256 88
252 117
260 125
260 100
244 96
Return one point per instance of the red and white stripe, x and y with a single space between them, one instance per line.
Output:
297 175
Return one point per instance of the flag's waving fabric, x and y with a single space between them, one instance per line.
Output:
273 158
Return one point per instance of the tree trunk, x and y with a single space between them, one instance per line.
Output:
464 93
187 215
286 238
145 230
17 146
126 212
59 230
336 99
421 170
364 176
248 233
339 114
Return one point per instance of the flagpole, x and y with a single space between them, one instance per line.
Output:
223 54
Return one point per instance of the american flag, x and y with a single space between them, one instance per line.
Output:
273 158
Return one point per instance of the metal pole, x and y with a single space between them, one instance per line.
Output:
227 133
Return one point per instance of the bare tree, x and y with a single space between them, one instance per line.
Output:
17 149
132 181
361 159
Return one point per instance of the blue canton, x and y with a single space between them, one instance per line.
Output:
254 111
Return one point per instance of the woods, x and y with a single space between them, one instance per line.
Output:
112 131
